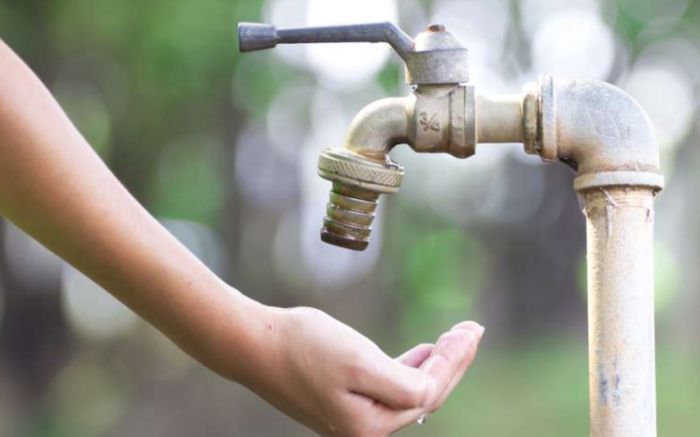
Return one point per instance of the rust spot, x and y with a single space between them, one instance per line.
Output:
603 389
617 393
437 28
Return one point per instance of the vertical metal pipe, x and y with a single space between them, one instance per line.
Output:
620 223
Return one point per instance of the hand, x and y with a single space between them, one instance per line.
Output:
337 382
55 187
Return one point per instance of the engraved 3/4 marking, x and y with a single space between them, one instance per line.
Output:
429 122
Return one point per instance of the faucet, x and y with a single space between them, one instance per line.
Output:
591 126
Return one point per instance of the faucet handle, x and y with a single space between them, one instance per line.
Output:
435 57
260 36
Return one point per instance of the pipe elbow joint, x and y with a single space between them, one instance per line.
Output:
600 131
378 127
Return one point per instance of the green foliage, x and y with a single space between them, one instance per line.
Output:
189 183
541 389
442 275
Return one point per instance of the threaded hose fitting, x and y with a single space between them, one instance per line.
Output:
349 217
357 183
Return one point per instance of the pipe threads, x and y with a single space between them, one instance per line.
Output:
357 183
349 217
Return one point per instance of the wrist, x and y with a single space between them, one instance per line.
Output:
250 344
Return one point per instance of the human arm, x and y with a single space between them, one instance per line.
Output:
56 188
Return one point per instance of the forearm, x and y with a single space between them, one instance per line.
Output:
310 366
56 188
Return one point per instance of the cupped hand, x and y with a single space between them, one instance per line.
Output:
339 383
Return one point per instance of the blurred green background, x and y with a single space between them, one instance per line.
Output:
222 148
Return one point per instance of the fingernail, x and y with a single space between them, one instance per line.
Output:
479 332
471 326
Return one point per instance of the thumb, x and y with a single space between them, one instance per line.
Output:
453 353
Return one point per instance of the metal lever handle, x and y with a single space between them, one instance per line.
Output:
260 36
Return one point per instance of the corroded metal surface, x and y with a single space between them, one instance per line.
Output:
349 216
443 120
530 110
597 128
620 223
261 36
357 170
500 119
435 57
357 183
604 134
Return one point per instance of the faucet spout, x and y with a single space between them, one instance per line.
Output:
379 127
361 170
432 119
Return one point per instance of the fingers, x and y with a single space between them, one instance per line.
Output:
421 379
450 358
397 385
416 356
458 376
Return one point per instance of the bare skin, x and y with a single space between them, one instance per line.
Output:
305 363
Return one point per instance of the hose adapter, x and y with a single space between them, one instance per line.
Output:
357 183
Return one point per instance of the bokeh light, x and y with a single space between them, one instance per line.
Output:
670 106
167 363
574 43
189 180
93 313
357 62
288 14
482 28
646 11
265 175
89 398
287 121
202 241
88 109
30 263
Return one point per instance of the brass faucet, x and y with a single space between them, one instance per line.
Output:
444 114
439 116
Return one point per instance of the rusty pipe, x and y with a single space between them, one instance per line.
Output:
620 222
600 131
607 137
